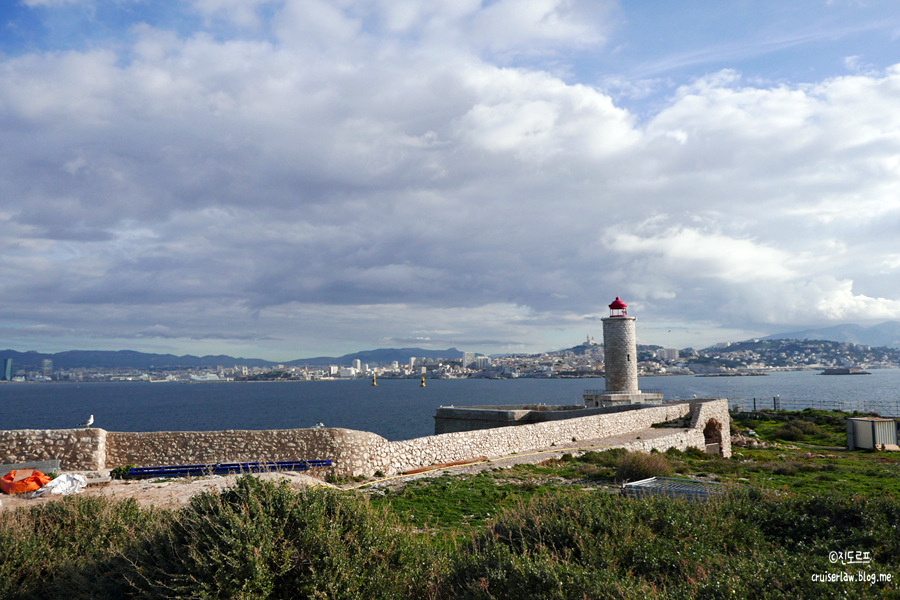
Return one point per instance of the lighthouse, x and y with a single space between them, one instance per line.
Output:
620 351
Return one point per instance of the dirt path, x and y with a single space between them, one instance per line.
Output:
171 493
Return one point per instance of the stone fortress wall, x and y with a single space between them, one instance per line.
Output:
362 453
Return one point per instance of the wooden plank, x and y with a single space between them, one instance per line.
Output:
44 466
23 474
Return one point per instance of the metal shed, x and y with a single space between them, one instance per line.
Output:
871 432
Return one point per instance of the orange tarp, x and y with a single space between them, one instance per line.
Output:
23 480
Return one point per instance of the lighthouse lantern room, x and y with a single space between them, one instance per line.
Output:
618 308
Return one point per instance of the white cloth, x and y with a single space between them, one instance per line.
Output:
64 484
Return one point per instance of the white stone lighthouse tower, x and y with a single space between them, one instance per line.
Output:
620 350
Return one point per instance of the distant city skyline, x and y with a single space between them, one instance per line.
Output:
282 178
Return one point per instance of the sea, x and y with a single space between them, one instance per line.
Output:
397 409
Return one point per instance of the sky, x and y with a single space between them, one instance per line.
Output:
283 179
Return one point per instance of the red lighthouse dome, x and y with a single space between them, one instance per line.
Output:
618 308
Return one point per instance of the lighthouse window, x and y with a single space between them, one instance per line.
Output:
628 358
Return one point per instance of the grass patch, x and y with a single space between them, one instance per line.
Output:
462 502
811 426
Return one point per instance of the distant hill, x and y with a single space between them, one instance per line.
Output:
382 356
884 335
129 359
122 359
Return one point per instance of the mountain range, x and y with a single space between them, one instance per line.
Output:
886 334
125 359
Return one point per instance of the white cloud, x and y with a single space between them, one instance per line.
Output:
244 13
54 3
709 255
531 26
400 170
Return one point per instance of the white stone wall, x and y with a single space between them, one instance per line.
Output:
347 449
703 411
355 452
620 349
396 457
77 449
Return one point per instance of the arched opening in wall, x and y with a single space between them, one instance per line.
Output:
712 434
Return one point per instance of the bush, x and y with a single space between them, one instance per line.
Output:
123 472
264 540
607 458
743 545
640 465
794 431
261 539
67 548
694 452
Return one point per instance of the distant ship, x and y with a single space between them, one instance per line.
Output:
206 377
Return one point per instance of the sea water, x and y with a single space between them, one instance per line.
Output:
395 408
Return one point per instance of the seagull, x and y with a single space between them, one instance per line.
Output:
87 423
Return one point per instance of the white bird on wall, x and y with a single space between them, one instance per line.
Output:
87 423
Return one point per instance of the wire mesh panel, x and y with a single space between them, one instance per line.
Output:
672 487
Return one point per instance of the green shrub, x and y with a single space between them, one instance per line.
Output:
607 458
261 539
68 547
591 471
640 465
694 452
121 472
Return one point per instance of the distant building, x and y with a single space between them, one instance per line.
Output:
467 359
482 362
47 367
667 354
6 371
357 364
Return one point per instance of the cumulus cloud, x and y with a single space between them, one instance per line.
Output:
332 174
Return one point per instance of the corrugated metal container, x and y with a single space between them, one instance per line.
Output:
870 432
